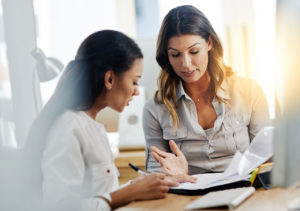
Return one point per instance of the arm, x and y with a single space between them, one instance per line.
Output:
260 110
64 171
153 136
63 174
157 156
153 186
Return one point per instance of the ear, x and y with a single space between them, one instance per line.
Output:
109 79
210 43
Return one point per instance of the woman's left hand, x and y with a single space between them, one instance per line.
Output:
172 164
179 178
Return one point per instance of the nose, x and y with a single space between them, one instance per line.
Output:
136 92
186 61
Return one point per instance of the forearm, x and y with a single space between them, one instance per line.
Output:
153 136
122 196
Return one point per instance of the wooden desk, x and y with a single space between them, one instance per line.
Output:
126 173
264 200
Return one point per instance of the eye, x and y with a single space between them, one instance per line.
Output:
175 55
135 83
194 52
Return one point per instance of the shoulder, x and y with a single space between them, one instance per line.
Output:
241 81
150 103
153 106
68 124
243 86
69 118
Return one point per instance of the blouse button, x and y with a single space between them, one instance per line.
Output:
237 122
108 171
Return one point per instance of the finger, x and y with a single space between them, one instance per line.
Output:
156 156
171 182
167 170
186 178
164 189
162 163
175 148
159 159
158 151
158 175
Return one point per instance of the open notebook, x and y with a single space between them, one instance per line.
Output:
238 172
214 181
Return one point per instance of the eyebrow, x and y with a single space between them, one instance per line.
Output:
138 76
197 43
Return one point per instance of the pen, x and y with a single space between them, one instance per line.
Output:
137 169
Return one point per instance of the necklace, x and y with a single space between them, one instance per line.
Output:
207 100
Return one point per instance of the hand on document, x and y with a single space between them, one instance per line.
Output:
180 178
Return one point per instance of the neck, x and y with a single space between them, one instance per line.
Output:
92 113
99 104
200 88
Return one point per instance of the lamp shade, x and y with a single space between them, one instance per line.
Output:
47 67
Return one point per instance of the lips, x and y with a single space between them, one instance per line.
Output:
189 73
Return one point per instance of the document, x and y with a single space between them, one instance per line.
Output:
214 179
238 171
259 151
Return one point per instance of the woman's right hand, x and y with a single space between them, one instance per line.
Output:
172 163
153 186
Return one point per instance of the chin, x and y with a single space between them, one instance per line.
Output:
191 80
194 79
120 109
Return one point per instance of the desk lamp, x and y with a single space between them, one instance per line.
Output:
47 68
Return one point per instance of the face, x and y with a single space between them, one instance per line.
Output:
188 56
126 86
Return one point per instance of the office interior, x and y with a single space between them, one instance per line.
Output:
260 40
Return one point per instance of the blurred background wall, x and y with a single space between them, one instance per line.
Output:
246 29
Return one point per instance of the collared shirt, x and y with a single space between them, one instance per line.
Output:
210 150
77 166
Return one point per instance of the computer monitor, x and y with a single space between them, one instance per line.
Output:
286 170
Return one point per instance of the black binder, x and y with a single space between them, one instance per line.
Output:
236 184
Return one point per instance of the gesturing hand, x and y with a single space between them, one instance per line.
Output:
172 164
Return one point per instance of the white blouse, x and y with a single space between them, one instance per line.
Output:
78 165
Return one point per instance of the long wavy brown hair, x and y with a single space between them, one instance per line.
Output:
180 21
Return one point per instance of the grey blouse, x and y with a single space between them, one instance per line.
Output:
211 150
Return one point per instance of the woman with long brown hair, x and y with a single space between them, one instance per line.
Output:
202 111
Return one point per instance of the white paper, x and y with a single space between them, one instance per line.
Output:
241 165
203 180
232 168
259 151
